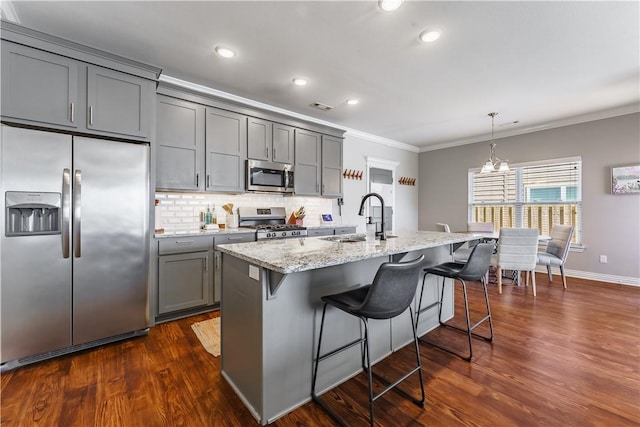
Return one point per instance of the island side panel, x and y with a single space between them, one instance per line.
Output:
291 328
241 332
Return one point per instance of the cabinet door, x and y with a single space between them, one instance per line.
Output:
226 147
283 143
307 165
180 136
39 86
118 103
331 166
259 138
183 281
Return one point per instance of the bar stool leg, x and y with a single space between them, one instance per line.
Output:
486 299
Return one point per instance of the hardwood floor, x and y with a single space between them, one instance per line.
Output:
565 358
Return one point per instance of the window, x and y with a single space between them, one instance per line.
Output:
534 195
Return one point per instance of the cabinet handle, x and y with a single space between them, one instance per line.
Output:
208 181
91 115
324 188
274 153
266 151
206 263
72 112
317 188
184 242
197 180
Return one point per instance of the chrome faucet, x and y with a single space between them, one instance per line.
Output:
383 232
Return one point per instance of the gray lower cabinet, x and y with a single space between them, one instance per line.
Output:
226 150
345 230
331 166
180 139
46 89
307 163
313 232
185 273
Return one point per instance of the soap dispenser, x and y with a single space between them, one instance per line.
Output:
371 230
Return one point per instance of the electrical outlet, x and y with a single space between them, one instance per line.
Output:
603 259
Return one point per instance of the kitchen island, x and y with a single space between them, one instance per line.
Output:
271 311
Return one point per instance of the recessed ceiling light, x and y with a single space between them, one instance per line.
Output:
390 5
431 34
299 81
352 101
225 52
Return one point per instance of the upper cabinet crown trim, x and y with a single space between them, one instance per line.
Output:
36 39
211 100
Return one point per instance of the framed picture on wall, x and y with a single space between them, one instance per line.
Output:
625 179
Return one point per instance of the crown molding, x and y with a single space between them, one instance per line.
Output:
568 121
256 104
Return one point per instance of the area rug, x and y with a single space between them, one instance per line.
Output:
208 332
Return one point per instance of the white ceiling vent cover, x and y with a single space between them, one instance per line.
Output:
321 106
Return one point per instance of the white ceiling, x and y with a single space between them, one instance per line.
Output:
540 63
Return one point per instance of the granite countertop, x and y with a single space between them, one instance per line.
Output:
293 255
196 233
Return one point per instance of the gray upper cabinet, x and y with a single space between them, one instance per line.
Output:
226 150
283 143
259 139
45 89
118 102
307 163
38 86
180 138
268 141
331 166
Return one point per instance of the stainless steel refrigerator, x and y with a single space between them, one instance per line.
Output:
75 243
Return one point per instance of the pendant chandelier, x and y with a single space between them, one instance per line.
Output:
494 163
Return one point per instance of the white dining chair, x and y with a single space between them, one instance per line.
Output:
517 250
440 226
557 250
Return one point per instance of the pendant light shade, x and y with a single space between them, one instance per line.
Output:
494 163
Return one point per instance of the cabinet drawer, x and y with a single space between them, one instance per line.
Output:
345 230
235 238
319 232
184 244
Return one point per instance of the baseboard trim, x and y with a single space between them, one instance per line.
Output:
619 280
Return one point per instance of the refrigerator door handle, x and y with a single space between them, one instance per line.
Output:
66 211
77 188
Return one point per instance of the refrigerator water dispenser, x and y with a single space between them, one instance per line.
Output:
30 213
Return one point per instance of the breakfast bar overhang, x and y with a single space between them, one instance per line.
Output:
271 311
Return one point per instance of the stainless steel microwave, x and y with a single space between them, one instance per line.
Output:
269 177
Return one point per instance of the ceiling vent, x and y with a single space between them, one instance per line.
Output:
321 106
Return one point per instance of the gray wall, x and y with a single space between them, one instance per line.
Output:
355 154
611 224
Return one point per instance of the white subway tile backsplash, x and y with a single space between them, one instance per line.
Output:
181 211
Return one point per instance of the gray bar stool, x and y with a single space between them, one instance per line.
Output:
388 296
474 269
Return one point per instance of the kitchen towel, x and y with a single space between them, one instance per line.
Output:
208 332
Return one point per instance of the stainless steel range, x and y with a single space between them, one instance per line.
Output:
269 223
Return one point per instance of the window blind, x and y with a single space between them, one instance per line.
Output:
534 195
